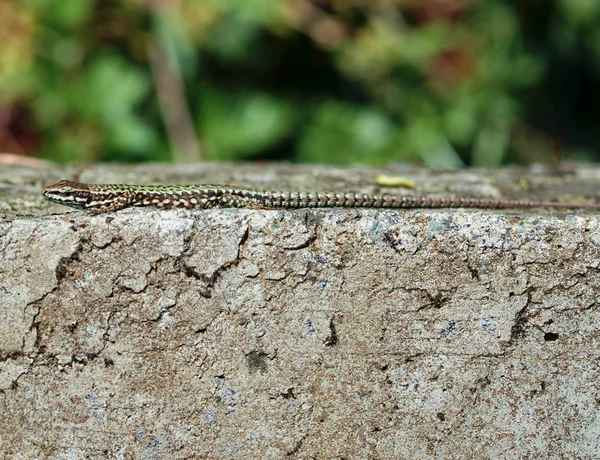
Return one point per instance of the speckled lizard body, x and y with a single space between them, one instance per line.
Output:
100 198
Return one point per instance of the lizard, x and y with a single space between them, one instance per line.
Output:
101 198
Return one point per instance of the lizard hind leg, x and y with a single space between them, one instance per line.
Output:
235 201
231 201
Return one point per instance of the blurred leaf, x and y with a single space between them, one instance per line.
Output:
235 126
424 138
129 133
67 52
342 133
67 13
581 11
257 11
111 87
230 39
75 143
100 107
460 120
493 138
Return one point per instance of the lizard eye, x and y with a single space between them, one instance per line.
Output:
82 197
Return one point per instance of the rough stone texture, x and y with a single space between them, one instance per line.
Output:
306 334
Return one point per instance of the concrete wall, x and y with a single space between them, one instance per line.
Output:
306 334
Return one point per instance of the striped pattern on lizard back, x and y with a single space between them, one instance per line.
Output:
100 198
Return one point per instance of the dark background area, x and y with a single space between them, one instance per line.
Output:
442 83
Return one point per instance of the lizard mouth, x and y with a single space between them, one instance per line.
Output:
54 197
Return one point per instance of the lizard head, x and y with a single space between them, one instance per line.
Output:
68 193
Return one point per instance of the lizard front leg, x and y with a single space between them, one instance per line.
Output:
123 200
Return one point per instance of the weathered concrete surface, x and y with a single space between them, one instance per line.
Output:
328 334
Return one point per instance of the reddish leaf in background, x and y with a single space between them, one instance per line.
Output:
16 134
437 10
452 66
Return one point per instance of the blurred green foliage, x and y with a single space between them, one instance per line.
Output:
437 82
